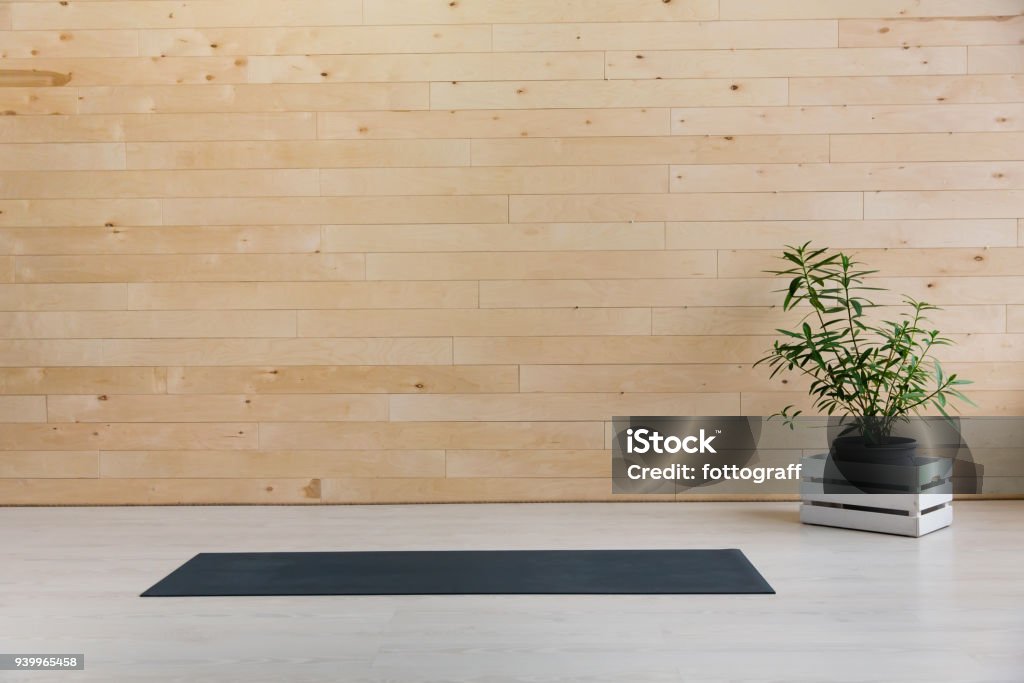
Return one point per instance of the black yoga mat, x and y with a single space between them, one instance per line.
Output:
474 572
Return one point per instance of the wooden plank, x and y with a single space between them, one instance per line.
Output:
501 464
634 292
431 435
473 322
511 123
963 290
504 237
721 92
242 352
86 156
977 175
274 239
77 297
841 234
995 59
163 127
194 409
852 90
493 180
789 62
33 352
298 154
892 262
975 30
191 183
49 465
540 266
695 378
277 210
556 407
110 213
58 44
989 403
893 118
163 436
190 268
22 408
271 464
1015 318
6 269
88 380
711 206
316 39
843 9
927 147
635 35
103 14
481 490
329 379
307 295
498 12
609 350
147 324
743 320
258 97
949 204
86 71
397 68
650 150
38 101
159 491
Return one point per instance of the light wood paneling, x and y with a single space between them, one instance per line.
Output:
49 465
60 44
841 234
905 89
475 322
499 12
541 266
170 240
314 40
515 123
147 324
270 464
216 408
329 379
635 35
649 150
417 250
297 154
978 30
305 295
91 380
843 9
504 237
837 120
928 147
190 268
167 13
790 62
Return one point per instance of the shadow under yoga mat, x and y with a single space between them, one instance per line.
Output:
476 572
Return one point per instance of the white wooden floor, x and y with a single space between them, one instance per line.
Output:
851 606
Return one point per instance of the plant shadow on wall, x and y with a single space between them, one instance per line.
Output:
873 374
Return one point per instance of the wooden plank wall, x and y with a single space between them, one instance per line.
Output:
294 251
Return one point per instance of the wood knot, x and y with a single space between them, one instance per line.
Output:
734 87
419 385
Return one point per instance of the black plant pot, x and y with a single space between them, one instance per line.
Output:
897 450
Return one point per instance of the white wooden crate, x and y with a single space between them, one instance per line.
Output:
925 504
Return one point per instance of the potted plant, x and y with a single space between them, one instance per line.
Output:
874 374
